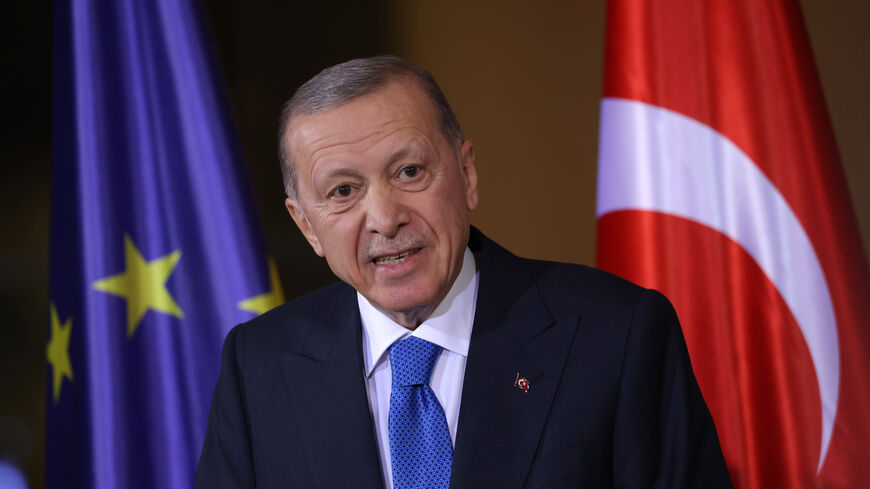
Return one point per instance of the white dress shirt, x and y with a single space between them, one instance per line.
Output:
448 327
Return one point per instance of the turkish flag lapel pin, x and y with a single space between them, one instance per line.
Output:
522 383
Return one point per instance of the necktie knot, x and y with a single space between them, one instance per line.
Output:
412 361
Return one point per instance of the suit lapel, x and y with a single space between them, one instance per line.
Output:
327 386
500 425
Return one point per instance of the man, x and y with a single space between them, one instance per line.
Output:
441 358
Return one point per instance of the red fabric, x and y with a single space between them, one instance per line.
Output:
744 68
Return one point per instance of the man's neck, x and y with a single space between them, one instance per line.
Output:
411 319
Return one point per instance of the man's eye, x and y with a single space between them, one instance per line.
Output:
410 171
342 191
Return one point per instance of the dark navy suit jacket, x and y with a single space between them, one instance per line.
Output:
612 400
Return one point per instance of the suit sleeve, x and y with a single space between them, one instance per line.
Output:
664 436
226 460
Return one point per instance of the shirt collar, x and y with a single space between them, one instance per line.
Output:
449 326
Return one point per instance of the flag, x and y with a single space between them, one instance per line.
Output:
156 249
720 185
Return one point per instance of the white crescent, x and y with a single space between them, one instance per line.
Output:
655 159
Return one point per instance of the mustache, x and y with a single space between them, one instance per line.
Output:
381 246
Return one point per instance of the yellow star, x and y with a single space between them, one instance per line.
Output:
57 351
263 302
143 284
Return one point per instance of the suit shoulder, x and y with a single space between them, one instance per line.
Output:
288 325
572 288
573 278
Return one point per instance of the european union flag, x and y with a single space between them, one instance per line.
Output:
156 251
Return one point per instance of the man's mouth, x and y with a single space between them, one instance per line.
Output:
394 259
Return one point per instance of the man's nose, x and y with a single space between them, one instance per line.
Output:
385 212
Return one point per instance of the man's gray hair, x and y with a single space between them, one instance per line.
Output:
344 82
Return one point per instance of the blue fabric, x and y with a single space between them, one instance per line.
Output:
420 446
144 149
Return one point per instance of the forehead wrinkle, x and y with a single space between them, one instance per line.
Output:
396 107
412 144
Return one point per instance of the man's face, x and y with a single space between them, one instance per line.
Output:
383 197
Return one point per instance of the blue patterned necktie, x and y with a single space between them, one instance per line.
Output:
420 445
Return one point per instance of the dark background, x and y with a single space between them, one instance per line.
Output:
524 79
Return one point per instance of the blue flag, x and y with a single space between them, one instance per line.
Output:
156 250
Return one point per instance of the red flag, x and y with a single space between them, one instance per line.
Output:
720 185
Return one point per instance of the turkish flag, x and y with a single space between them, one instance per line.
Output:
720 185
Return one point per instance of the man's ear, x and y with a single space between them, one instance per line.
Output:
469 172
303 224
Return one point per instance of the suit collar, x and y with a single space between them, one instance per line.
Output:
505 281
318 324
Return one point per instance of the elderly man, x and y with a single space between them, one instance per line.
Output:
441 359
